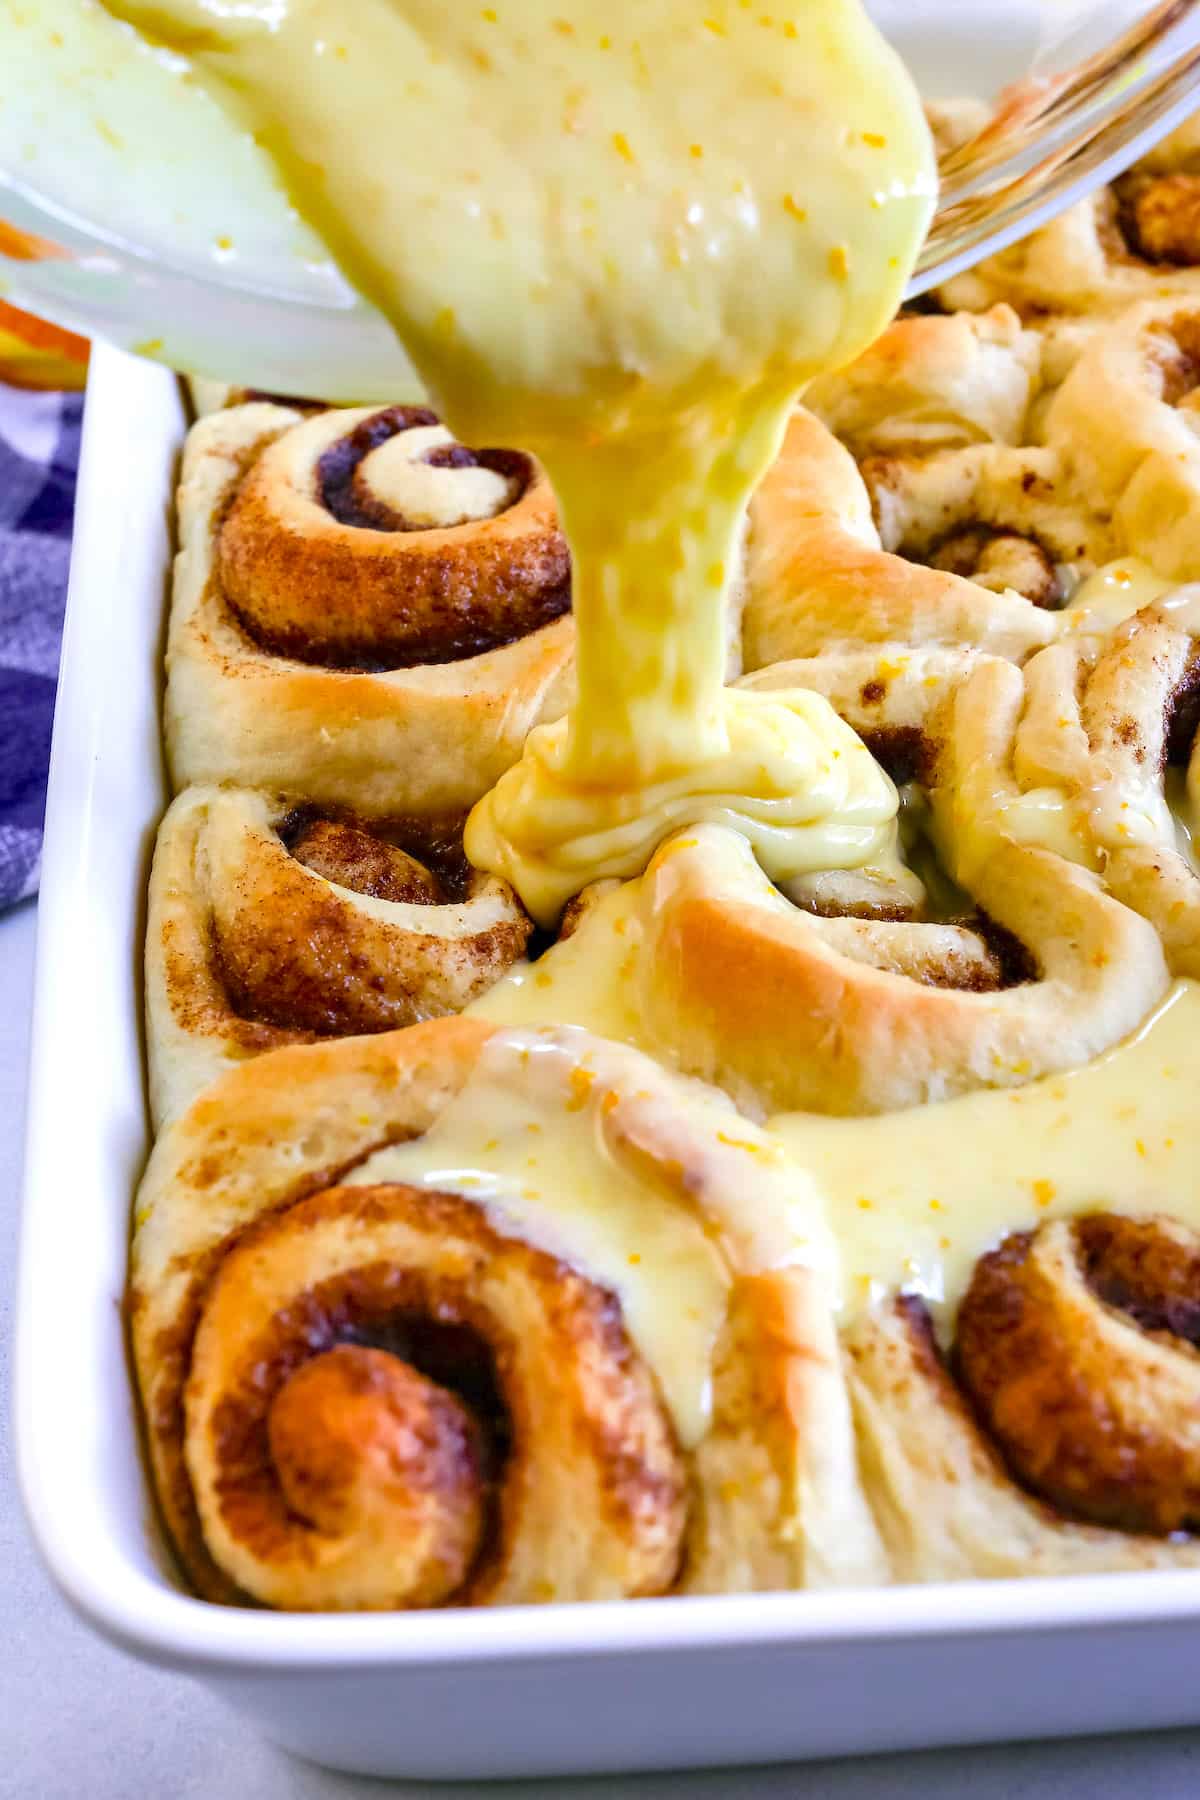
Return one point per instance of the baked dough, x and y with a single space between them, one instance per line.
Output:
271 925
253 1268
1074 1380
428 738
818 577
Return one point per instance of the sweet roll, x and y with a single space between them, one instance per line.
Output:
818 576
366 613
1036 968
1057 1435
271 924
343 1336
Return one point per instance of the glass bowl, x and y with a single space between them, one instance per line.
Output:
154 225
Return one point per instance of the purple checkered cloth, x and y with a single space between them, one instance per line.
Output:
39 450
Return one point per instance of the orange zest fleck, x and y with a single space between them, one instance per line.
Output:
581 1089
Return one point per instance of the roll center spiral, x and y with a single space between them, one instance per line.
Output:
1159 219
368 539
361 1441
401 470
1076 1344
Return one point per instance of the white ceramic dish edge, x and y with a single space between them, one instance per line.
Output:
555 1690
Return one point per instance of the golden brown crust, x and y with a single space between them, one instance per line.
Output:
817 577
790 1010
1075 1344
945 1505
320 565
426 739
248 1261
754 996
478 1315
249 946
230 1160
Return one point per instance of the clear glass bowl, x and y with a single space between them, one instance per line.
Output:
154 226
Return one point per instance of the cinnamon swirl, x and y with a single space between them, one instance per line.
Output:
1059 1436
366 613
546 1346
787 1007
272 924
818 576
946 417
1106 720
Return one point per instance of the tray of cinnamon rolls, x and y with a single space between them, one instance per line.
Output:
831 1238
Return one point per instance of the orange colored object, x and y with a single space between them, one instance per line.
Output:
36 354
23 246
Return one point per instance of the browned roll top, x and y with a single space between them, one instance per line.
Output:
368 1421
272 925
390 545
1077 1345
291 954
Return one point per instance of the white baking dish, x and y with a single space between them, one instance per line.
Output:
535 1691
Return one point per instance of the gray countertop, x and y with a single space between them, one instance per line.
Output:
76 1718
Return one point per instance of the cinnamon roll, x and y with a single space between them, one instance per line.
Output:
366 613
1059 1436
790 1010
1007 519
934 382
786 1007
449 1316
1134 240
818 576
943 416
1105 722
272 924
1144 373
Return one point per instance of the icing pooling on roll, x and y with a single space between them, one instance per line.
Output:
634 244
793 779
913 1198
531 1135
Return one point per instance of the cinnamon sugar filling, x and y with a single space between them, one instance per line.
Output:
349 497
324 565
361 1327
1095 1420
997 559
420 861
292 961
1158 218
